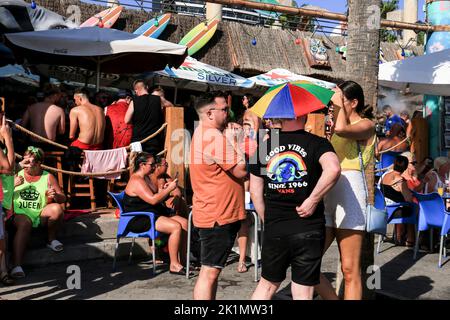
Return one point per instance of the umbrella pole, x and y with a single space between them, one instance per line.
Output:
175 95
97 86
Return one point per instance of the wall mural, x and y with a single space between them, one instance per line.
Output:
316 53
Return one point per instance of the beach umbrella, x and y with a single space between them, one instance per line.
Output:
196 75
291 100
427 74
94 48
279 76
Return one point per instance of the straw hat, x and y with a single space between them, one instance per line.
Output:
440 161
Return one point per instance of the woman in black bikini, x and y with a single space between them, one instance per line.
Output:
141 194
395 190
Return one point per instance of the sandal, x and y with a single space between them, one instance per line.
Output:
181 272
6 279
17 272
242 267
56 246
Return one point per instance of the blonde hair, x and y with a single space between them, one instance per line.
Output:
440 161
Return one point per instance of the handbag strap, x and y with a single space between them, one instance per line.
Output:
361 164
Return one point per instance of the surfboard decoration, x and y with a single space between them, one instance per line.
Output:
152 29
199 36
107 18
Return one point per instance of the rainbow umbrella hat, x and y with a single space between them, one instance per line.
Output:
291 100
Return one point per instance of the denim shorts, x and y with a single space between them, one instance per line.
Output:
216 244
302 251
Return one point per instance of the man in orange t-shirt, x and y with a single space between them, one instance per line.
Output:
217 170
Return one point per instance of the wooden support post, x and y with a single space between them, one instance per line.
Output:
419 138
316 124
175 143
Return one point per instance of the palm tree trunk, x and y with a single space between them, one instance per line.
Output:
362 66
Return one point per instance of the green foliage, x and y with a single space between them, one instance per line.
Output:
386 7
294 22
421 38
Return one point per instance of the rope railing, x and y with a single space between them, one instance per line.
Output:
92 175
75 173
35 135
393 147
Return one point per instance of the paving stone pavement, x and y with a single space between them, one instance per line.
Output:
401 278
132 281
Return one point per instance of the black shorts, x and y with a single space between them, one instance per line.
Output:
302 251
216 244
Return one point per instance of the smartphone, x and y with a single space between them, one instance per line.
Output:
176 176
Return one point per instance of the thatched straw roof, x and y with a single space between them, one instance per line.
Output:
231 47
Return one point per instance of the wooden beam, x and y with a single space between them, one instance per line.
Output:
327 15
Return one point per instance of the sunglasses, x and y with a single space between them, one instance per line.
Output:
226 109
152 164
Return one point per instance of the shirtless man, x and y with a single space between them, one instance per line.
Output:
158 91
90 119
46 118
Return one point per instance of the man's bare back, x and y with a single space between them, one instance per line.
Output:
45 119
90 119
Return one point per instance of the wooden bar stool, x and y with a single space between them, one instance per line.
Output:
54 159
79 189
76 188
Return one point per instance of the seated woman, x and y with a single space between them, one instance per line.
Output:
175 201
395 190
437 177
412 179
37 198
141 194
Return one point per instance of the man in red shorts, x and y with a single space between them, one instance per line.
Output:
89 119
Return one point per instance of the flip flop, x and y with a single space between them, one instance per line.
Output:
56 246
17 272
181 272
242 267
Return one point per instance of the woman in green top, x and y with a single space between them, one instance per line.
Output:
6 165
37 199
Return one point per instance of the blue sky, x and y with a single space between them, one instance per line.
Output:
331 5
339 5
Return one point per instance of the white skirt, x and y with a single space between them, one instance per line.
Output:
345 203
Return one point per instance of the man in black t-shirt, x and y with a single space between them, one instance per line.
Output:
145 113
287 185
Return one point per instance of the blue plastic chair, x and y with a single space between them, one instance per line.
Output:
386 160
432 214
125 218
380 203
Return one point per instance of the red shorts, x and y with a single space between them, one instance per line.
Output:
83 146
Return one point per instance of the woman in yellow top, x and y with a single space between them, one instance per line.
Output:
345 204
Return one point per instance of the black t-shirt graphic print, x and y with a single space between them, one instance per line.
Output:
291 170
